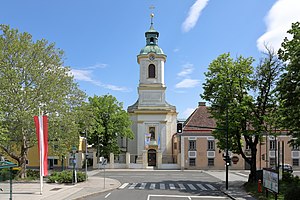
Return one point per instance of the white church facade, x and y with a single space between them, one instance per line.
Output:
153 119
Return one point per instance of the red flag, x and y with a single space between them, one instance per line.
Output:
41 125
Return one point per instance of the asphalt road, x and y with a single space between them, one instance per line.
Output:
162 185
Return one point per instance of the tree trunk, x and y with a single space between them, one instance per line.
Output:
252 176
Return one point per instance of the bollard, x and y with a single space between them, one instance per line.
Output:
259 189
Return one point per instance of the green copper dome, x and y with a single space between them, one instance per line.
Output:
151 49
151 41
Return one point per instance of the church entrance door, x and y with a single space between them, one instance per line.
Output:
151 157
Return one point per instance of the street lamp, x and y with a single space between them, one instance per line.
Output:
74 179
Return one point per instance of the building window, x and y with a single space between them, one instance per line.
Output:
151 71
55 161
295 162
152 132
192 145
272 145
210 145
192 161
272 162
211 161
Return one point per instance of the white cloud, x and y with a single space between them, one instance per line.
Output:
278 21
97 66
188 112
82 75
194 13
86 75
187 70
176 50
188 83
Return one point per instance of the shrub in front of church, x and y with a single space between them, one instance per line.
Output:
65 177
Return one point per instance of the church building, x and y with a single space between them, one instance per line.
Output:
153 119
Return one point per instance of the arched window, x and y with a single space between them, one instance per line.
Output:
151 71
152 132
152 40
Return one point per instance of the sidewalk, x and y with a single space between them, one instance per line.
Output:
236 181
236 191
31 191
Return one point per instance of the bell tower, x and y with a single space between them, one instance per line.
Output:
153 119
151 60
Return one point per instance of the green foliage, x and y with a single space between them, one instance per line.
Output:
33 77
244 98
5 174
226 87
108 122
65 177
289 85
292 193
33 174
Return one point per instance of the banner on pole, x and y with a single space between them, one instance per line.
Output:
41 126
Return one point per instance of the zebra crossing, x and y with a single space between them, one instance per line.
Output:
168 186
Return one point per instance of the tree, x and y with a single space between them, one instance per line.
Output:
228 88
33 79
289 85
109 122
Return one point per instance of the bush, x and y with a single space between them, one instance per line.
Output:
5 173
33 174
292 193
65 177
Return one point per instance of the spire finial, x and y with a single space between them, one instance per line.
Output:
152 14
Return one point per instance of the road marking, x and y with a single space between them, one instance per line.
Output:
188 197
211 187
240 174
123 186
191 186
162 186
172 187
181 186
201 186
152 186
107 195
142 186
132 186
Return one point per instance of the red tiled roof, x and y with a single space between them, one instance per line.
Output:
201 118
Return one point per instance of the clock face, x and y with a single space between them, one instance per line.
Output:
151 57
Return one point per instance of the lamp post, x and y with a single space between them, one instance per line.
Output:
74 179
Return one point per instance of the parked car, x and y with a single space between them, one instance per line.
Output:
286 168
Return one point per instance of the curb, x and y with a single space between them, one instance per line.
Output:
99 192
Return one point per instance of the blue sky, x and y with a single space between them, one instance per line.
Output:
102 38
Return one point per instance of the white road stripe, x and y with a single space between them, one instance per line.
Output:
107 195
191 186
132 186
211 187
162 186
201 186
123 186
181 186
142 186
172 187
152 186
